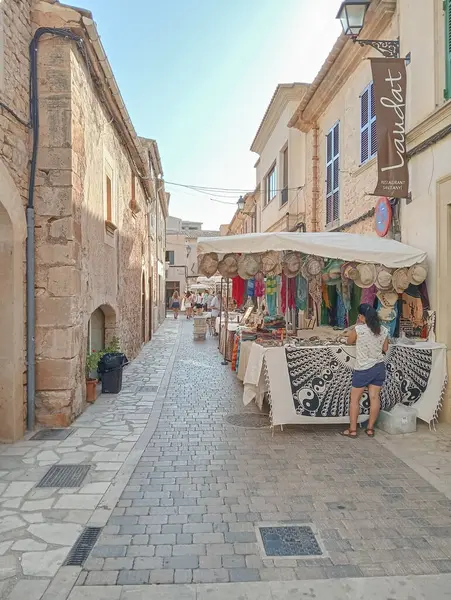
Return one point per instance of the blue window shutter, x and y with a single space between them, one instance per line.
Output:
447 6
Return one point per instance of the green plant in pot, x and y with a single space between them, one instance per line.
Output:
92 361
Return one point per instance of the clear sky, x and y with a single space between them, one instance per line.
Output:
197 75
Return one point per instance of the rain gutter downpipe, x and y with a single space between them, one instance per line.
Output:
30 216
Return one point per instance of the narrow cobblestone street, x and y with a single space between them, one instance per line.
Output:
180 495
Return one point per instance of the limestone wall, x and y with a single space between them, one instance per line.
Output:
15 36
81 263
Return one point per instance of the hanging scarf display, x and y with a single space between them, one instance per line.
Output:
238 286
412 306
390 325
271 295
301 293
289 284
368 295
259 288
250 288
315 292
341 308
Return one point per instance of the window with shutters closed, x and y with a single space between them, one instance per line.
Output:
368 136
447 6
333 175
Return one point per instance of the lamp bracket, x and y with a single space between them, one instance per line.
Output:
389 48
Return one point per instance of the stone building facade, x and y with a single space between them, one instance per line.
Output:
95 202
15 36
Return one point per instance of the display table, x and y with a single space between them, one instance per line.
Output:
312 384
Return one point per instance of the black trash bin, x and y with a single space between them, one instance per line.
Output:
110 367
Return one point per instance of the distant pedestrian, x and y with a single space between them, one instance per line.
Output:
175 304
215 307
206 299
188 304
198 302
371 340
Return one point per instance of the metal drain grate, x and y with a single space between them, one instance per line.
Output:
249 420
52 434
64 476
291 540
83 547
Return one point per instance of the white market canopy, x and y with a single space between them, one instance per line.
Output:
343 246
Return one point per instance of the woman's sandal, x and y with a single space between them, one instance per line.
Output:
369 432
349 433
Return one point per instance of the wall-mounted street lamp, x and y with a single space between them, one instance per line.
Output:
240 204
352 16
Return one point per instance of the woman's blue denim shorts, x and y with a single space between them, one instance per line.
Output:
373 376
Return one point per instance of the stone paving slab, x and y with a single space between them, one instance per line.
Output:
191 509
401 588
38 526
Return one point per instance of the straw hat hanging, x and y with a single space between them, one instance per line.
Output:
312 267
228 266
388 299
270 263
401 280
366 275
208 264
291 264
418 273
249 265
349 271
384 279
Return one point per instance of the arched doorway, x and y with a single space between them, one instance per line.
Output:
12 357
96 331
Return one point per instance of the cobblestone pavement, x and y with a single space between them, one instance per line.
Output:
191 508
179 493
38 526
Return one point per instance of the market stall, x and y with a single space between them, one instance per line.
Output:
312 285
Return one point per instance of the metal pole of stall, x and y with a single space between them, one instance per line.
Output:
226 323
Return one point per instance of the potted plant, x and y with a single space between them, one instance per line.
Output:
92 361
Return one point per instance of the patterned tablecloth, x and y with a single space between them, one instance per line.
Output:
313 384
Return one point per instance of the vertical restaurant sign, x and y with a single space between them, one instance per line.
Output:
389 80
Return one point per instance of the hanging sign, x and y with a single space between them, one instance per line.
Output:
383 216
389 78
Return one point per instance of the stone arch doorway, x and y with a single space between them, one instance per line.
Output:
102 327
12 298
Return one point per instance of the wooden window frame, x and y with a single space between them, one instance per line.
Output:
268 188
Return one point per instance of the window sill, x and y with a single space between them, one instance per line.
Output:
365 166
332 225
110 227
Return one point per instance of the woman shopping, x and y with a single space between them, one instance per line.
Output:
175 304
371 340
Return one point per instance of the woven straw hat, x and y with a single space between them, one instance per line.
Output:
349 271
418 273
386 313
208 264
366 275
401 280
384 279
312 267
249 265
228 266
388 299
270 263
291 264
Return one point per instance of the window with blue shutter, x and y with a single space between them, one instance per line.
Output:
333 174
368 136
447 7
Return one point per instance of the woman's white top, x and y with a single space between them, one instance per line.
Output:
369 347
